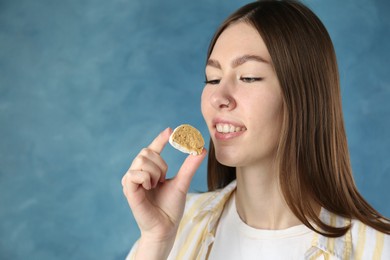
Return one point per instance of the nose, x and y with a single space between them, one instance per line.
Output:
222 98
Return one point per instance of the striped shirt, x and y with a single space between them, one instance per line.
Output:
197 230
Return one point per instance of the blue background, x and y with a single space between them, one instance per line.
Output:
84 85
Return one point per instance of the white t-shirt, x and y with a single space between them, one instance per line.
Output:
236 240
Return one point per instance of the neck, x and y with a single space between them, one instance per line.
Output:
259 200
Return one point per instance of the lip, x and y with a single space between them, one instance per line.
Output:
226 136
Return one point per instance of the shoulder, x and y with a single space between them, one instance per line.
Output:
360 242
369 243
200 218
197 198
208 202
199 205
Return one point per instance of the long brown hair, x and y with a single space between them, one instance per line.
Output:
313 156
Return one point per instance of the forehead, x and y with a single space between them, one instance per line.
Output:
239 39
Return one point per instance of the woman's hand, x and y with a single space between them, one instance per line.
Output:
157 203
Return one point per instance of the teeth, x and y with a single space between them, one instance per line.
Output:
227 128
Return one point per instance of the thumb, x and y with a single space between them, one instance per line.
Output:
187 170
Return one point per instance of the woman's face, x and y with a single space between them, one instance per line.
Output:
242 102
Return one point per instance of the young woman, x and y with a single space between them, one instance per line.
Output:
279 175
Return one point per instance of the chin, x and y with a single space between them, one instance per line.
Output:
227 159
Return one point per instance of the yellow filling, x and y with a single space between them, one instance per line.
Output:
189 137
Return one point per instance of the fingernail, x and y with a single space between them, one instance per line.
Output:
147 186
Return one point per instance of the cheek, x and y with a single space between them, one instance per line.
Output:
205 103
274 120
266 112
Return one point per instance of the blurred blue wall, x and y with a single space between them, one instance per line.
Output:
85 84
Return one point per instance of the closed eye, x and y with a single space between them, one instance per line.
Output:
212 82
250 79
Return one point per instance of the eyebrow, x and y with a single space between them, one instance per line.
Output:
237 61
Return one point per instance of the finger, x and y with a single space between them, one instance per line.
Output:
188 169
160 141
152 162
154 158
133 179
155 172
